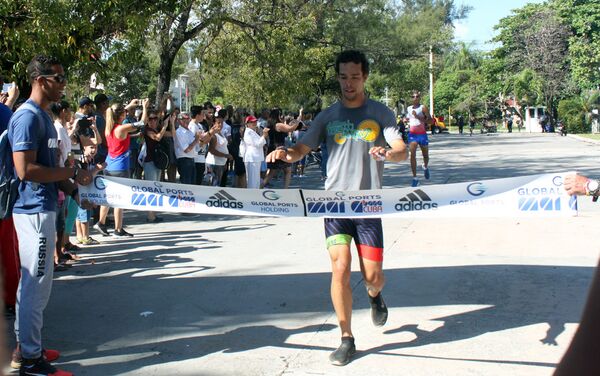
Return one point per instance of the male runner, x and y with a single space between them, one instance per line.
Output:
355 130
418 117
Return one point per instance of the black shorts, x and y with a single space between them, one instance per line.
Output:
279 165
366 232
238 166
118 174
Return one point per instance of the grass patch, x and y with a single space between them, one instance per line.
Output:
590 136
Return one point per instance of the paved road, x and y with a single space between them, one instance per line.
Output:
207 295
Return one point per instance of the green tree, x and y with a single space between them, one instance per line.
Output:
583 17
535 38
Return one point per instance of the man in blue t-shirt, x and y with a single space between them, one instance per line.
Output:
34 143
5 114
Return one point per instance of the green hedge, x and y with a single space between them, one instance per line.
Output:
572 113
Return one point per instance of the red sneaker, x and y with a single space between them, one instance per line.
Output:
15 362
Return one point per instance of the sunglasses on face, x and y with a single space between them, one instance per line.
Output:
416 96
153 118
58 78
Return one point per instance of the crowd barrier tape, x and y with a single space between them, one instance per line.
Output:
526 196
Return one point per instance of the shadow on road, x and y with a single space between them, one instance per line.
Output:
185 308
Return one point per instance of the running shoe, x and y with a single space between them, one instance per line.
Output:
40 367
379 311
89 241
15 361
101 229
343 354
427 175
122 234
415 182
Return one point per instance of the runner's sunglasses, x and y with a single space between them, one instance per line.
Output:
58 78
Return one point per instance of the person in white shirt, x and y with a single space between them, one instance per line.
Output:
218 154
185 151
253 151
61 114
226 132
197 126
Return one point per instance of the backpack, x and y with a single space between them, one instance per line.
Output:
9 182
161 156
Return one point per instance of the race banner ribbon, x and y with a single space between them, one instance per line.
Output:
525 196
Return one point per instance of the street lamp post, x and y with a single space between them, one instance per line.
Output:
181 79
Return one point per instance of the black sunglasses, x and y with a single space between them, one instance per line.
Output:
58 78
153 118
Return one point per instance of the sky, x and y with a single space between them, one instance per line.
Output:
478 28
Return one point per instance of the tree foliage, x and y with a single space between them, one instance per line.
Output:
583 17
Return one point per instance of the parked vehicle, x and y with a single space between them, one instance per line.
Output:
439 126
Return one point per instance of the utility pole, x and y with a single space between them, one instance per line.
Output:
386 99
179 85
431 80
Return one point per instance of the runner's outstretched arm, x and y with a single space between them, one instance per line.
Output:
289 155
396 153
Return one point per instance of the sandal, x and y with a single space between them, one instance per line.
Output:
66 256
71 247
61 267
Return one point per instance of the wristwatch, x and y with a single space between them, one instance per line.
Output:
592 187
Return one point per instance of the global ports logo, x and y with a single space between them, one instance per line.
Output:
326 207
529 204
414 201
476 189
99 183
271 195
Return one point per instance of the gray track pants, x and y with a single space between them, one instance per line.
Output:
37 238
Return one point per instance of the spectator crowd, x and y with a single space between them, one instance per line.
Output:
209 145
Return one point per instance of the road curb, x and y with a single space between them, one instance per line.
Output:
584 139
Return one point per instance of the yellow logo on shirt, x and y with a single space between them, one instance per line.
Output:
367 131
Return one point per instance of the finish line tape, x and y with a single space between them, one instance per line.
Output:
525 196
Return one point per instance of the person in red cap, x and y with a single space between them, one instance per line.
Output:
251 150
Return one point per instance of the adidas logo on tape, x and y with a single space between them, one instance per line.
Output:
417 200
222 199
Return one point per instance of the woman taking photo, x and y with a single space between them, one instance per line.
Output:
153 165
117 162
218 154
253 151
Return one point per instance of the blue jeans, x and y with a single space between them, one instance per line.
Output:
324 157
187 170
151 172
217 174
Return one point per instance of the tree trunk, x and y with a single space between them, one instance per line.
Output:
164 76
